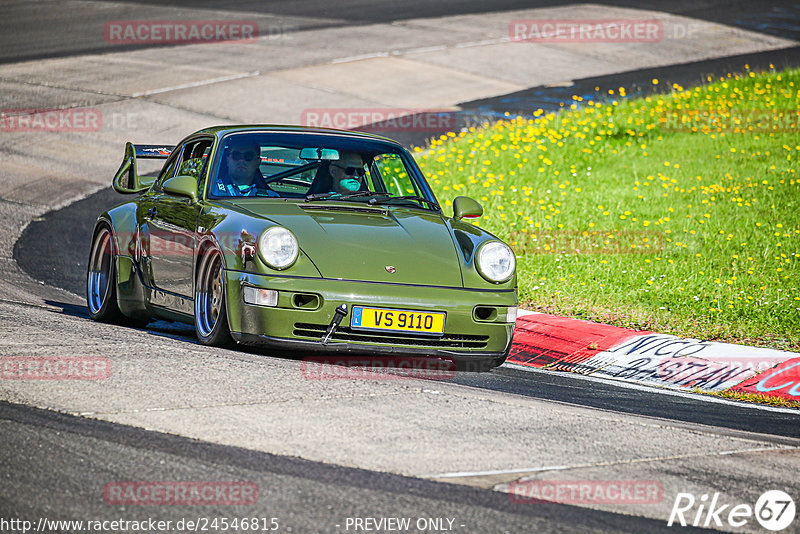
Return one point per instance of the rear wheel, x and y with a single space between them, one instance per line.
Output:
210 314
101 283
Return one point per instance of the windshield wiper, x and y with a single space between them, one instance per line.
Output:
321 196
339 196
431 203
384 198
372 194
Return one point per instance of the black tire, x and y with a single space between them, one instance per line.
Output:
101 282
101 279
210 312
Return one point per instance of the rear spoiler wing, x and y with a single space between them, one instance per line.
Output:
127 179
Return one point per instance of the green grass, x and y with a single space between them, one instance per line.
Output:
678 213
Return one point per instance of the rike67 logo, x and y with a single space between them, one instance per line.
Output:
774 510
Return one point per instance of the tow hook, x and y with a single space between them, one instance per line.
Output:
338 315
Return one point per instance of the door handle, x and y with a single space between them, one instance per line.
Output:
152 212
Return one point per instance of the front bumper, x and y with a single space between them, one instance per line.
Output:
301 327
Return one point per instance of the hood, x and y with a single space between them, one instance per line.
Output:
354 242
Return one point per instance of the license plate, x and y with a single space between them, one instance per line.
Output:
397 320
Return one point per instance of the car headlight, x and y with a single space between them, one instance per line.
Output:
496 261
278 247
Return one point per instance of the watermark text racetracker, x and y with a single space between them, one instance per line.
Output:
51 120
65 120
190 493
55 368
750 121
665 359
587 491
602 30
380 119
132 32
783 380
376 368
586 30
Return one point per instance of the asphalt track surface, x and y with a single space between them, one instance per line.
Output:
305 496
64 266
37 30
636 82
58 464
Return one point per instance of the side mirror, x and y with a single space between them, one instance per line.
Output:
466 207
184 186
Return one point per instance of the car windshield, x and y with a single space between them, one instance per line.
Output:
315 168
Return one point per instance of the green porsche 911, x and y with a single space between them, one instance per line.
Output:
302 239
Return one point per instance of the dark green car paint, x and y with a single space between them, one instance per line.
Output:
345 251
359 244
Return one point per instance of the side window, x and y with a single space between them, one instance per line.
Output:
194 157
169 168
392 172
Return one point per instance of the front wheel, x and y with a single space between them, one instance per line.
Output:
210 314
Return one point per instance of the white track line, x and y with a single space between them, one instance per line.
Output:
466 474
197 84
360 57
